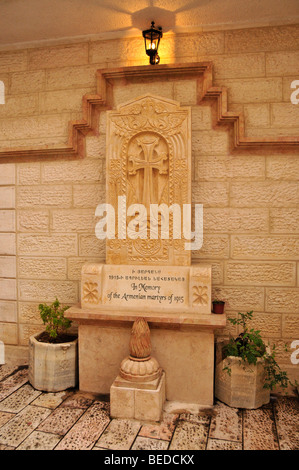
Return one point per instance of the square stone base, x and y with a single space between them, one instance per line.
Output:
137 401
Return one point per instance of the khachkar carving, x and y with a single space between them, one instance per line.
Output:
149 162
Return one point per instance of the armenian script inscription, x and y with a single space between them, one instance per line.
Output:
147 287
151 287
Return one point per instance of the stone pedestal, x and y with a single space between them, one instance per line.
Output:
139 390
143 401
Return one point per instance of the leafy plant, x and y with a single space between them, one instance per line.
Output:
249 346
54 319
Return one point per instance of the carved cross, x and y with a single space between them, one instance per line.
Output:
150 162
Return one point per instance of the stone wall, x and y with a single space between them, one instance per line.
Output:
250 197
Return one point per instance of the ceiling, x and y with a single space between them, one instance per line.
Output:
31 21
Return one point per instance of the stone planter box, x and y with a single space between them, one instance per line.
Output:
53 367
244 387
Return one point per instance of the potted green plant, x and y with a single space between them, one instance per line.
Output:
53 353
246 371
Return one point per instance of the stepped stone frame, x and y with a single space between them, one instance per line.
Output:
92 105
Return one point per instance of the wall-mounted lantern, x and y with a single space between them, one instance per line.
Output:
152 38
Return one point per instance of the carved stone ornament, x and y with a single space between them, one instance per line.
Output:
140 342
149 162
140 366
200 295
90 293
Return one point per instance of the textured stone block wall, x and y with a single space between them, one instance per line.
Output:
250 198
8 283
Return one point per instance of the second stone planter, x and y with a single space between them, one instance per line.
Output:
243 386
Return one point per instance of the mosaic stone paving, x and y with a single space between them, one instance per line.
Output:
72 420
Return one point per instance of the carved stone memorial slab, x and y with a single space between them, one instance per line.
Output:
148 163
147 288
148 272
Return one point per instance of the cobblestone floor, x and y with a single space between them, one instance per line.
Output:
34 420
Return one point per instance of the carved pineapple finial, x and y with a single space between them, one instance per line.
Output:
140 342
140 366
